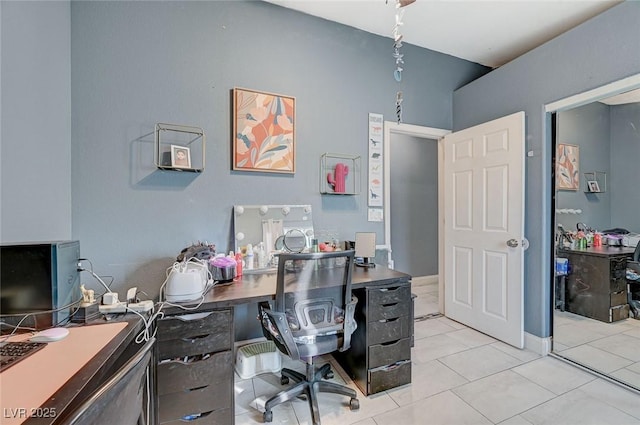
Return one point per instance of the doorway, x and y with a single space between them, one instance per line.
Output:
425 139
414 205
601 337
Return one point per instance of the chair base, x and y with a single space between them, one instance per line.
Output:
309 386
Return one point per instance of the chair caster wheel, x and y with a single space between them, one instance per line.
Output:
354 404
284 380
267 416
328 375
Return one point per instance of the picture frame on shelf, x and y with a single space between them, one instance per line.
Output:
567 167
264 133
593 186
180 156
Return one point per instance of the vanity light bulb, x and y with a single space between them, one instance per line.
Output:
239 210
286 210
239 236
264 209
307 209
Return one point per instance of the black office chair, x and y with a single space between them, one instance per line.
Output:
120 399
633 286
312 315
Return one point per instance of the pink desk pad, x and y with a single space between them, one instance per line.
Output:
25 386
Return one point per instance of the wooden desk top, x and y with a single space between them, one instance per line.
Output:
258 287
601 251
40 387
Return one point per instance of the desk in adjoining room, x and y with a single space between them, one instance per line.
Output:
596 286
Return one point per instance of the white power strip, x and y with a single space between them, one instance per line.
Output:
122 307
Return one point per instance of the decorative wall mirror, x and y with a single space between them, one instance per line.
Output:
279 228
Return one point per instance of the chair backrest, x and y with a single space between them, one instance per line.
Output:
313 299
120 399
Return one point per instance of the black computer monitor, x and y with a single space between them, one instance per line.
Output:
39 279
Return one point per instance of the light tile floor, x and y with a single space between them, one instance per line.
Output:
459 376
610 348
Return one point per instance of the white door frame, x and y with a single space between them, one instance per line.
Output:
431 133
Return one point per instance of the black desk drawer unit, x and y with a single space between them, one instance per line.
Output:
380 353
195 368
596 286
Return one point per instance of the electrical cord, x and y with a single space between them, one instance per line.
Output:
98 278
181 267
24 316
157 313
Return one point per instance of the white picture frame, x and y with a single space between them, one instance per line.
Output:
180 156
593 186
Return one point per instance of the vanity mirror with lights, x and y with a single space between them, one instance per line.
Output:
280 228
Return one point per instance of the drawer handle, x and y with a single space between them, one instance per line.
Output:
191 317
388 344
189 418
390 305
195 338
388 320
197 388
390 289
188 359
394 366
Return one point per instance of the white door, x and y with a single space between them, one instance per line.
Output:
484 227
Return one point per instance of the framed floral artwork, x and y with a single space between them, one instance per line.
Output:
567 167
263 132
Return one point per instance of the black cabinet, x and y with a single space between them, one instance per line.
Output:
380 353
596 286
195 368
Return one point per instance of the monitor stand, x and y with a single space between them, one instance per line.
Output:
365 263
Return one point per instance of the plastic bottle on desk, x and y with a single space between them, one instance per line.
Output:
248 259
597 239
238 264
262 256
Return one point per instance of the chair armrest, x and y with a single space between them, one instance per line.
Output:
276 328
350 324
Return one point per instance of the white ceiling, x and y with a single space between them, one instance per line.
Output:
490 33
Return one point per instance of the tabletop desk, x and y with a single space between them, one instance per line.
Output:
46 386
195 373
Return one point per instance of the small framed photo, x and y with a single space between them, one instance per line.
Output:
180 156
593 186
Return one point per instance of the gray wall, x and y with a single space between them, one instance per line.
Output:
414 204
138 63
588 127
625 172
35 158
600 51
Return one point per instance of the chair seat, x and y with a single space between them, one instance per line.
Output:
323 344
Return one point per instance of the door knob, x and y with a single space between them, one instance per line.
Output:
512 243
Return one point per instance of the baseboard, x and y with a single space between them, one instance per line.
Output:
425 280
537 344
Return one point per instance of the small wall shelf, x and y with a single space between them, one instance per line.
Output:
179 148
595 182
333 167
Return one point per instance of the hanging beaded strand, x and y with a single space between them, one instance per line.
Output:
397 44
